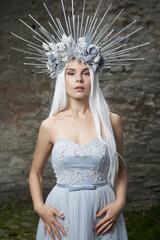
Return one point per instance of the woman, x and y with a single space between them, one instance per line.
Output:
75 126
83 139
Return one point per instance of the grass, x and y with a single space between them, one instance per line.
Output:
18 221
144 225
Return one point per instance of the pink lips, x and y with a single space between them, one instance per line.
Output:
79 87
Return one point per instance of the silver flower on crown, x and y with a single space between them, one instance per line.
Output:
81 40
60 53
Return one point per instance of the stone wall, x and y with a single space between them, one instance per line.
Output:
133 92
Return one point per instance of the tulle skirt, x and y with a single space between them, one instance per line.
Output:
79 209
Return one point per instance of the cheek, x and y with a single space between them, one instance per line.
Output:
89 83
69 82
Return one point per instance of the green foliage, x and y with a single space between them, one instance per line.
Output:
144 225
18 220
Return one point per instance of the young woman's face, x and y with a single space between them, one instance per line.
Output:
77 74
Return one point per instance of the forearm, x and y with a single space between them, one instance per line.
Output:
35 183
121 186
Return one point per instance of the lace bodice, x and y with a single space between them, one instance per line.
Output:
75 164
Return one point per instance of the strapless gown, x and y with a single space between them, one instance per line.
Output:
81 191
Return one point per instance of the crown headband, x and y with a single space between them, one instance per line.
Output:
83 41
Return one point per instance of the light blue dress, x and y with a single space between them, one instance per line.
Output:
81 191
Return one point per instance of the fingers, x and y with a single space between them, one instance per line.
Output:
58 214
113 227
50 232
52 226
102 211
45 228
100 223
107 225
60 227
56 231
51 223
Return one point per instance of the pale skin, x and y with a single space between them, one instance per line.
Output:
78 126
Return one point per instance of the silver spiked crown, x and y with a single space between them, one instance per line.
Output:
81 39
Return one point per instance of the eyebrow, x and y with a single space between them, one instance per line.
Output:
75 69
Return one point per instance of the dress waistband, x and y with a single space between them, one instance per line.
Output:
81 187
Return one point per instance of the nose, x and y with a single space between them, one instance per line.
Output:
79 78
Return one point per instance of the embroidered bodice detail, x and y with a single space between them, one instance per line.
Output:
61 148
71 176
75 164
101 148
83 151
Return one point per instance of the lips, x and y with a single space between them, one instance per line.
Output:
79 87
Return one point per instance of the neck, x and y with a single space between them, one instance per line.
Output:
78 107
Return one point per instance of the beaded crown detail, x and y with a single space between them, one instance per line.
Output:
83 38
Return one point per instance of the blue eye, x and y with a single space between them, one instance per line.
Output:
71 73
86 73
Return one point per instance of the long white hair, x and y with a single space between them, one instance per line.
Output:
100 112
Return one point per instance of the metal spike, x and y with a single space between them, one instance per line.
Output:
73 20
111 23
33 50
122 38
39 50
33 30
38 64
81 29
125 36
90 34
46 35
104 39
89 23
86 25
65 16
54 31
133 32
39 25
60 33
70 26
36 58
119 64
121 30
43 71
51 16
131 48
77 27
60 25
101 21
94 16
38 39
115 57
100 34
112 43
112 50
21 50
25 39
127 59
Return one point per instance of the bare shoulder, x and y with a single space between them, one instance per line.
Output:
118 131
51 126
115 120
49 123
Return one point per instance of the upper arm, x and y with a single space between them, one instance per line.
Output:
43 148
118 132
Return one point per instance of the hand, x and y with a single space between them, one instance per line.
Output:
47 213
112 212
